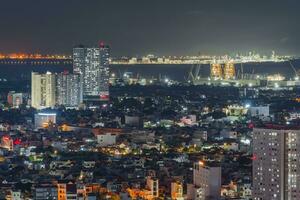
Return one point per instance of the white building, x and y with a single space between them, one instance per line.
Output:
16 195
42 90
259 111
208 180
276 164
106 139
293 116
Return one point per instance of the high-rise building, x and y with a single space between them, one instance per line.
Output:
93 65
92 72
79 54
42 90
207 181
68 89
104 72
276 163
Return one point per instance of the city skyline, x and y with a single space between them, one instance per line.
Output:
139 28
149 100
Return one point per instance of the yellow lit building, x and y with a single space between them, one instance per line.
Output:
216 71
229 71
176 191
42 90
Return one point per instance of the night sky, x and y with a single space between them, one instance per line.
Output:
162 27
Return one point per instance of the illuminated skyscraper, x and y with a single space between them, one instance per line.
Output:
42 90
104 72
229 71
79 54
276 164
216 71
68 89
93 64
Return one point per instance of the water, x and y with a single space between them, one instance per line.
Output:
17 72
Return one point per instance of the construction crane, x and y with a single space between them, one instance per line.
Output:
297 73
194 73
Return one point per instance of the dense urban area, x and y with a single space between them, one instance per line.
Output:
91 134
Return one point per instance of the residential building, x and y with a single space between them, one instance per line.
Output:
14 99
275 163
93 65
42 90
68 89
106 139
208 179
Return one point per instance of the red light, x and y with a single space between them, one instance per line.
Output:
17 141
251 125
101 44
104 97
254 157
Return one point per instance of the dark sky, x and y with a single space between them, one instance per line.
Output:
136 27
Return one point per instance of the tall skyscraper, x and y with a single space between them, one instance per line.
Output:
93 65
104 72
42 90
79 54
276 164
68 89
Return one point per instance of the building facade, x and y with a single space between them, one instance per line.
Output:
43 90
104 72
106 139
93 65
79 54
176 190
68 89
207 181
14 99
276 164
